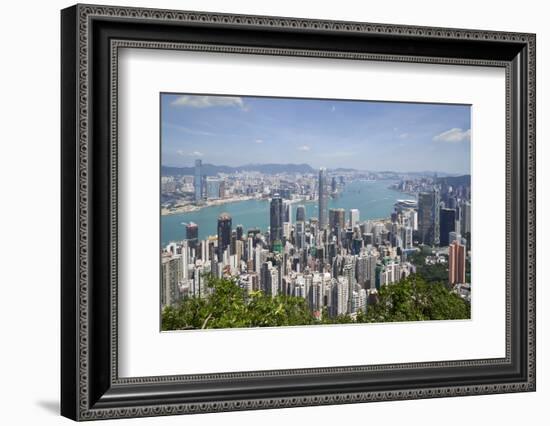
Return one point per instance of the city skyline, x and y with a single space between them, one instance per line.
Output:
312 234
401 137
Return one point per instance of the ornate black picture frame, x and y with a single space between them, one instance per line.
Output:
91 36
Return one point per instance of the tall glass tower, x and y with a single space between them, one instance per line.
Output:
323 198
224 233
276 218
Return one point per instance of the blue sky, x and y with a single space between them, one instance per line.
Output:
234 131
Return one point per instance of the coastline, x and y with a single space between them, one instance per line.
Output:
188 208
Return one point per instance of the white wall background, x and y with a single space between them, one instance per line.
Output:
29 213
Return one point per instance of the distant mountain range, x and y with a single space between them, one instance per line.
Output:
271 169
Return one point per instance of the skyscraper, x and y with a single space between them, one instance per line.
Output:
301 213
239 230
337 222
198 180
224 233
300 237
348 273
466 218
213 188
323 198
276 217
287 209
192 234
457 263
447 224
353 217
428 217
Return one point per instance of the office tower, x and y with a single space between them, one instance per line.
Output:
340 219
239 230
457 263
249 249
447 224
466 218
323 198
276 215
337 221
192 235
425 222
213 187
233 244
300 235
224 233
353 217
301 213
333 185
428 217
198 180
287 211
436 207
407 237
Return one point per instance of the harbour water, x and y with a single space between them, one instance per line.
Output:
373 199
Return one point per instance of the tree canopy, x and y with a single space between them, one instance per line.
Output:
229 306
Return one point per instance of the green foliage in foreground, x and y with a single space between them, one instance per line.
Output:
229 306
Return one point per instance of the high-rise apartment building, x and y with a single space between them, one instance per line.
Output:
457 263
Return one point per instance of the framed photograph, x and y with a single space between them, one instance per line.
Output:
263 212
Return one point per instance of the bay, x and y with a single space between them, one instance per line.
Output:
373 199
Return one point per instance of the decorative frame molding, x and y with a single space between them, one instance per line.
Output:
91 37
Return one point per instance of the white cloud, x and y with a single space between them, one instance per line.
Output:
454 135
333 108
190 154
403 135
258 141
208 101
304 148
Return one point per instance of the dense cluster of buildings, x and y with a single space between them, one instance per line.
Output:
336 261
181 193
